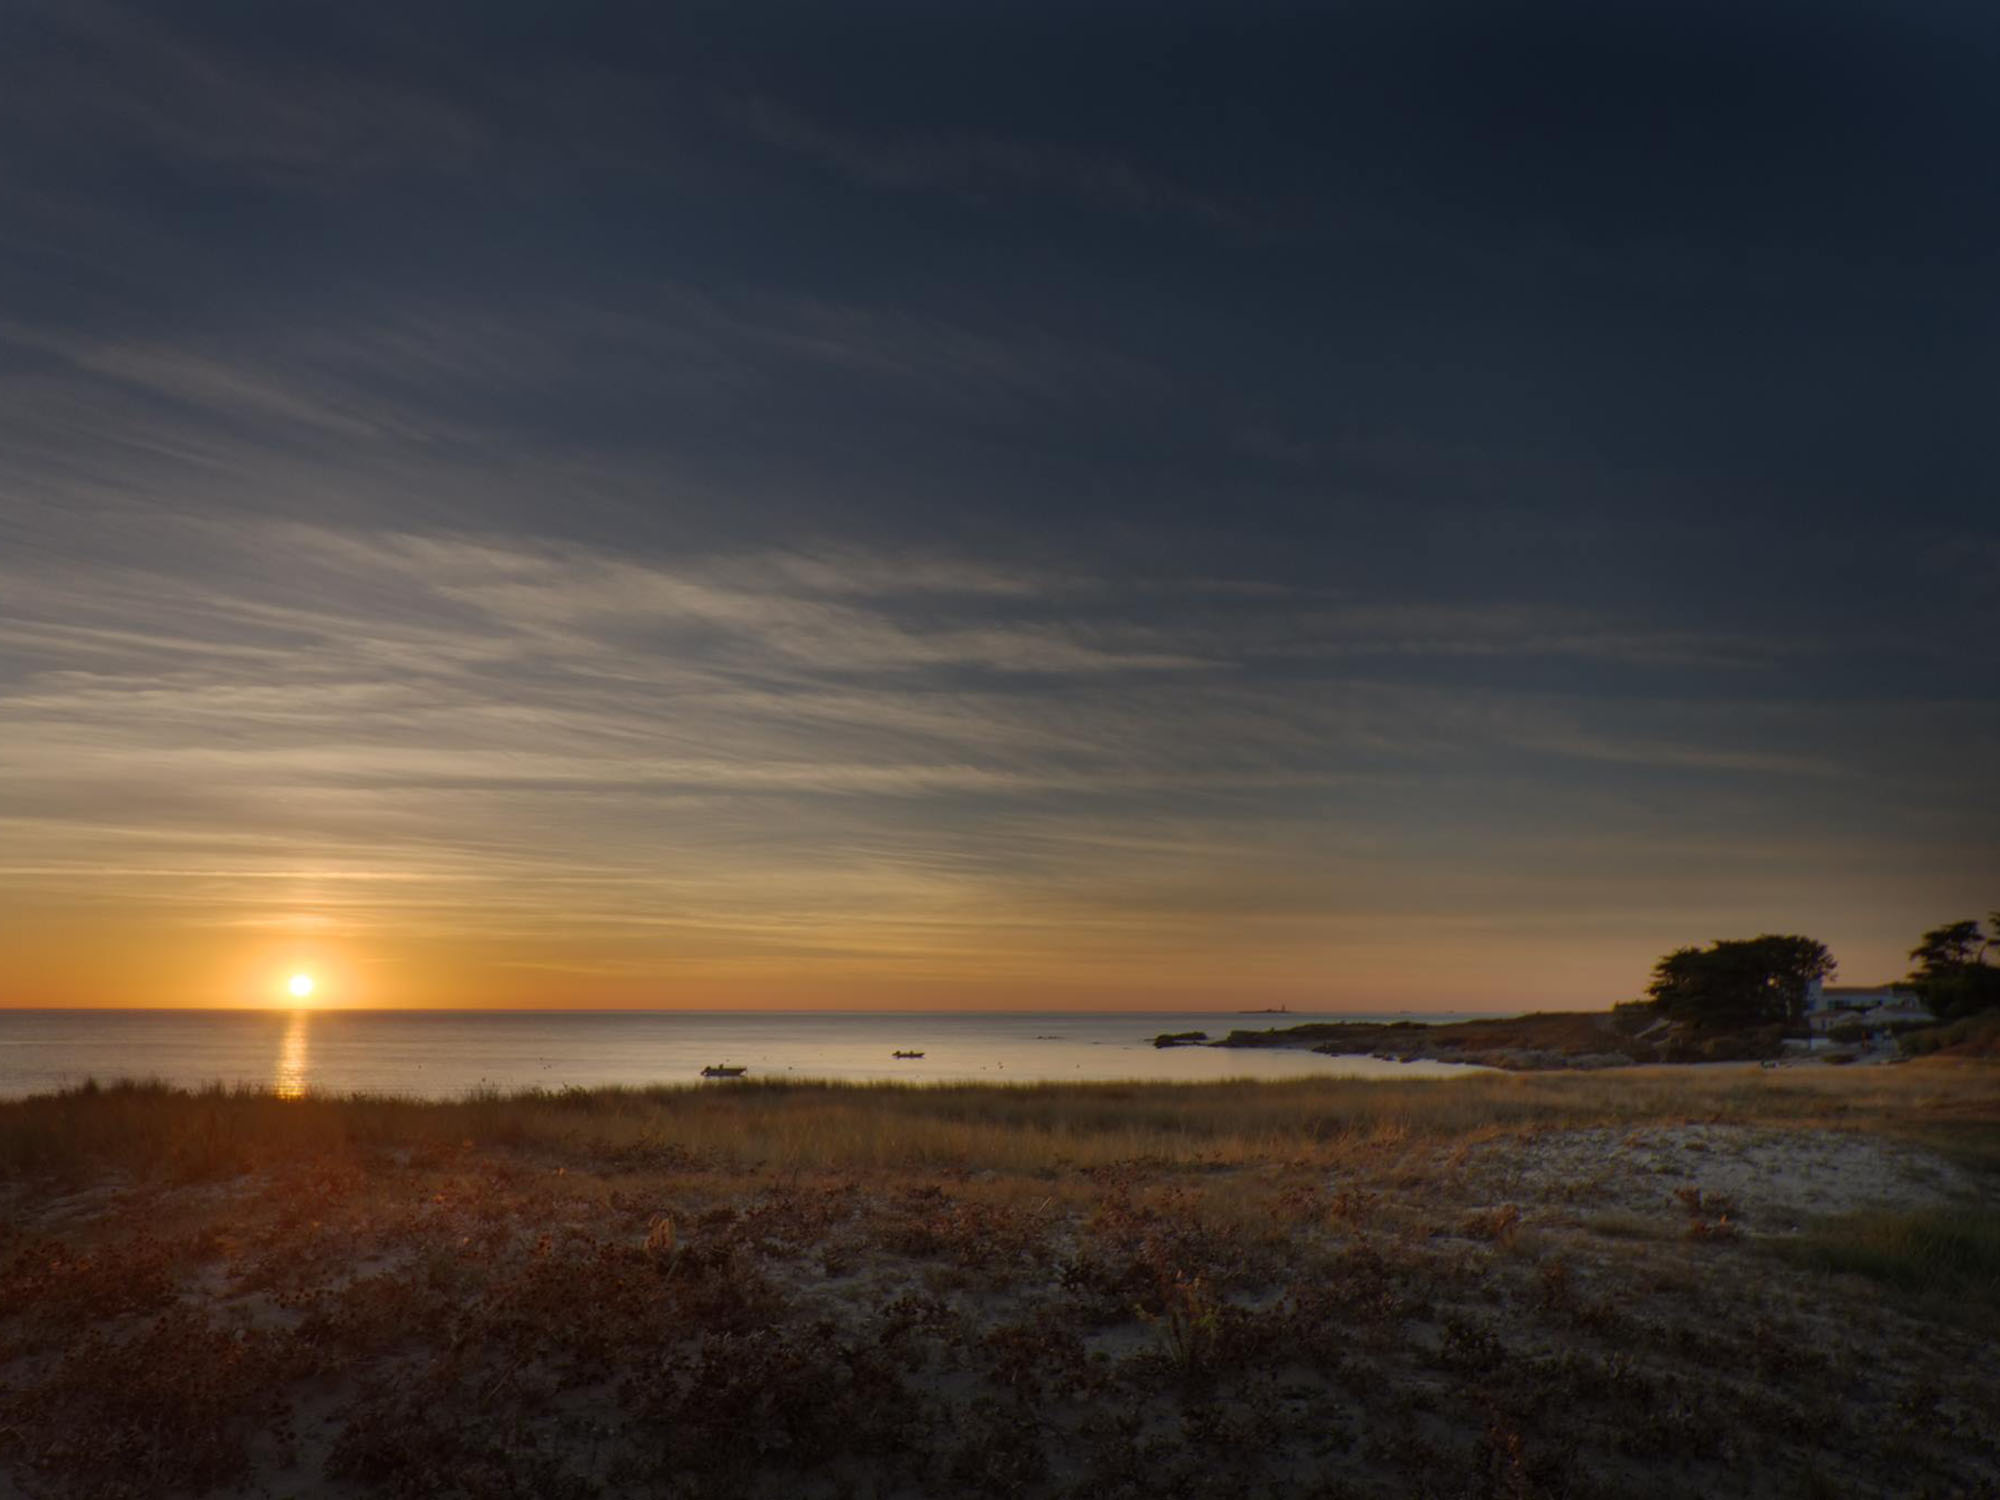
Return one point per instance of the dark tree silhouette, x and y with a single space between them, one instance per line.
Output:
1744 982
1952 974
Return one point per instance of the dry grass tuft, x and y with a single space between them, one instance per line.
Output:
1952 1254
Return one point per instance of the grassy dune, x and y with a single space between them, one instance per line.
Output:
1033 1127
1681 1282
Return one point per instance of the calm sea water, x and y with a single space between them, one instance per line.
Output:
442 1054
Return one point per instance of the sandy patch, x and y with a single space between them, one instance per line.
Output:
1767 1181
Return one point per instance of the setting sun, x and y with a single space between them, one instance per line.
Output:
301 986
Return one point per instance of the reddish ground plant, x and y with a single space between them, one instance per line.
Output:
1556 1292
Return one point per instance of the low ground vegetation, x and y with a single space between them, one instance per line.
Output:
1976 1036
1579 1285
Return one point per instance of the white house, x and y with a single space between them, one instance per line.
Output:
1828 1005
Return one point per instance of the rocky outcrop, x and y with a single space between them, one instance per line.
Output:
1537 1042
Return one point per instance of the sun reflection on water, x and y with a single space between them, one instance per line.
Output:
291 1082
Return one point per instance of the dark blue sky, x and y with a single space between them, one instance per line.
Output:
1369 504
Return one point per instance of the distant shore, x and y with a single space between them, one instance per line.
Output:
1538 1042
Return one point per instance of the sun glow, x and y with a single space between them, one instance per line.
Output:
301 986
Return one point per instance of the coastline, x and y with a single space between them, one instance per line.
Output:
441 1054
1541 1041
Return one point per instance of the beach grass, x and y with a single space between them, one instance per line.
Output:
1950 1253
1581 1284
1016 1127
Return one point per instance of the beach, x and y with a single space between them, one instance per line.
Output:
1660 1282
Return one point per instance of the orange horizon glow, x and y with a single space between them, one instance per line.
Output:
1505 975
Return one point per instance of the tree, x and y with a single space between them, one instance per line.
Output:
1740 983
1952 975
1951 946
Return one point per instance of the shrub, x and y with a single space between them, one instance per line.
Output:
1631 1017
1496 1224
167 1407
1973 1036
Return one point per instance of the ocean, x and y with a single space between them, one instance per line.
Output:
445 1054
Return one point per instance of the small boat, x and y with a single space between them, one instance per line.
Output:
716 1070
906 1054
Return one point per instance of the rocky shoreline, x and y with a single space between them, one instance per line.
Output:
1538 1042
1560 1041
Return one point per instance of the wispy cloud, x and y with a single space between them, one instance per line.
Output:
124 78
975 165
741 760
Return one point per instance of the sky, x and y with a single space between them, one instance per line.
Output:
1367 506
